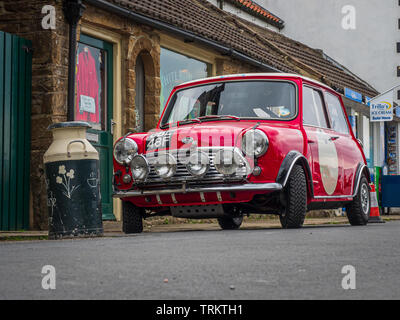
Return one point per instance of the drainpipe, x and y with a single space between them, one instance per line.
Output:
73 11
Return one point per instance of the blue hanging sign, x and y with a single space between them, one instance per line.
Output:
353 95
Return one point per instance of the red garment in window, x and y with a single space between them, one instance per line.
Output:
88 85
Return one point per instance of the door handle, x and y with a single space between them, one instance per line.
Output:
334 138
310 141
113 123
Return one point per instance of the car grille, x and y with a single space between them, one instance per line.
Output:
182 174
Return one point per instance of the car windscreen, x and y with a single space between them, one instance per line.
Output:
275 100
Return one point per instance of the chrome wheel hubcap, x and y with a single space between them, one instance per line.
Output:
365 198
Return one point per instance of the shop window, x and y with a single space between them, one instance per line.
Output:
177 68
335 111
90 86
313 108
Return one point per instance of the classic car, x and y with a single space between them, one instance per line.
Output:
236 145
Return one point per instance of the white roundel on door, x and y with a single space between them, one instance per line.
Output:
328 162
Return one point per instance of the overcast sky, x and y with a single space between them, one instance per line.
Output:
369 51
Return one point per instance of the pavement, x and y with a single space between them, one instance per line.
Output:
114 228
255 262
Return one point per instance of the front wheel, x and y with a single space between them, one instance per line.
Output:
358 210
230 223
295 200
132 218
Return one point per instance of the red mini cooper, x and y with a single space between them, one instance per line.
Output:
234 145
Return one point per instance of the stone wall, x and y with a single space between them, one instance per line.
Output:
233 66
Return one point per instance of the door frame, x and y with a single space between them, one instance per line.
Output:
116 40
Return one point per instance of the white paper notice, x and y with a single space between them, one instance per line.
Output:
87 104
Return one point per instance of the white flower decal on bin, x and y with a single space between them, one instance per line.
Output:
65 180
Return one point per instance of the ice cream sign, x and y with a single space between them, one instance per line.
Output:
381 107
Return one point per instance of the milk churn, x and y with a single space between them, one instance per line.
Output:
73 183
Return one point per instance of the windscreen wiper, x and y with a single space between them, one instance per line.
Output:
187 121
217 116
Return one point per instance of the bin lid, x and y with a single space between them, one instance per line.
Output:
69 124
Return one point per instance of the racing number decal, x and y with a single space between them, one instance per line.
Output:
159 140
328 162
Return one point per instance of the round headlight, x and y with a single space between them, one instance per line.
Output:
226 162
140 168
165 165
124 150
255 143
198 164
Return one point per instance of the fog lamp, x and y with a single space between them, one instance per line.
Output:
198 164
165 165
140 168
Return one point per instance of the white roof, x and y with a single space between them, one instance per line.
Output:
264 74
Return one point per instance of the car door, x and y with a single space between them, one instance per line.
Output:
347 148
322 153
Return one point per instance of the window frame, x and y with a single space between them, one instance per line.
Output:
168 109
324 107
345 116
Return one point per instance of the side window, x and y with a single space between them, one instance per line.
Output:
313 108
336 114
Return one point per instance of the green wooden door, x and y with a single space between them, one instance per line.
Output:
94 104
15 132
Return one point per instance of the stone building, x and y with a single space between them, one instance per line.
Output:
137 51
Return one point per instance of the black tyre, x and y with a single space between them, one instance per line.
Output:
132 218
230 223
358 210
295 200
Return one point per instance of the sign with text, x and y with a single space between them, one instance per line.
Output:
88 104
381 108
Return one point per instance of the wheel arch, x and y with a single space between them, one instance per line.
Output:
362 169
292 158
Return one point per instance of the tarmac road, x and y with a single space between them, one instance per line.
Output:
242 264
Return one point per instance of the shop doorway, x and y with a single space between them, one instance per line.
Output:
94 104
139 98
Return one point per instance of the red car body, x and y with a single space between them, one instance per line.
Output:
333 162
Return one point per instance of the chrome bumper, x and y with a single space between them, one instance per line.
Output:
214 188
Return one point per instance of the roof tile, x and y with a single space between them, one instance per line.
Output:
206 20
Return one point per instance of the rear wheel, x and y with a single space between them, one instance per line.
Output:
358 210
132 218
230 223
295 200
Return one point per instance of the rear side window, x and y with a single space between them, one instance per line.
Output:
313 108
336 114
